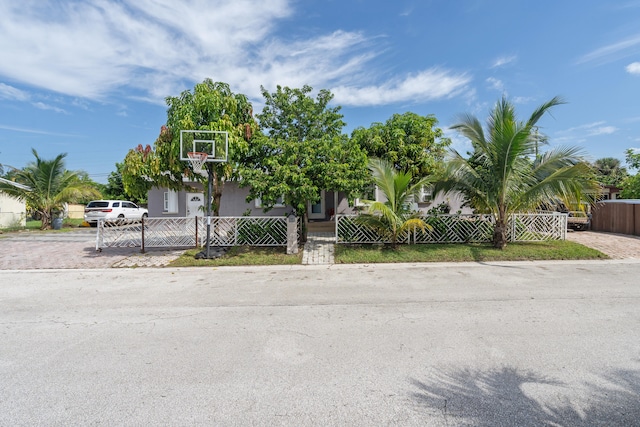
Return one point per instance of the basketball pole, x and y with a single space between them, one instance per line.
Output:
209 201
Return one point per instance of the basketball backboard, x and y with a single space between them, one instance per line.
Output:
212 142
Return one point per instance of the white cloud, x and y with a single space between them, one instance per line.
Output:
37 131
613 51
43 106
495 84
426 85
503 60
94 48
12 94
633 68
523 99
582 132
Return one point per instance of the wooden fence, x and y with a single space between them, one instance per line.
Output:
617 216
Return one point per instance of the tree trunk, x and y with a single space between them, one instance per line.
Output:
45 220
305 226
217 193
500 233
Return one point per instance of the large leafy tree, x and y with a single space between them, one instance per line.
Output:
393 217
210 106
410 142
503 175
47 186
301 151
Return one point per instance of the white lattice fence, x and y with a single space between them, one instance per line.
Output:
112 234
245 230
461 229
350 231
169 232
537 227
185 232
455 229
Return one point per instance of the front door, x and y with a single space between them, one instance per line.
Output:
317 210
194 202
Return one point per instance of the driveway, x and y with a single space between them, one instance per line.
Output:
502 344
74 249
617 246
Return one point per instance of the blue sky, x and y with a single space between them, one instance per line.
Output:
89 78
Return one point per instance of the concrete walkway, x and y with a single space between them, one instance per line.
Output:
319 248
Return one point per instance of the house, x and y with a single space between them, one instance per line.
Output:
13 212
163 202
610 192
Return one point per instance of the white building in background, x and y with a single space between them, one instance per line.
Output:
13 212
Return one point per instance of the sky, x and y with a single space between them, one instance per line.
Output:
89 77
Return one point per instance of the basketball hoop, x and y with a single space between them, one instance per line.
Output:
197 160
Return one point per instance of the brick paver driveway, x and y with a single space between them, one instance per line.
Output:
617 246
75 249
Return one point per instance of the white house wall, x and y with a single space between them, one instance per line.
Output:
13 212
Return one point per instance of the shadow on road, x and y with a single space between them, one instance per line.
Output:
512 398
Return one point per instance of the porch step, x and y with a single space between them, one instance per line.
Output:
321 226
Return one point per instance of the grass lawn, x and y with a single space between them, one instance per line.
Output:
555 250
240 255
366 254
68 224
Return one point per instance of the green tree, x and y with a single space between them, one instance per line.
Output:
503 175
210 106
632 158
114 189
50 186
293 115
302 151
610 171
631 185
393 218
408 141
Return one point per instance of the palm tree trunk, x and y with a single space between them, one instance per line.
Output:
45 220
500 230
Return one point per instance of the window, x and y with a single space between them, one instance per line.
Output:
370 193
170 202
278 204
425 195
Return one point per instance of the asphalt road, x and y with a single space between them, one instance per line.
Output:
509 344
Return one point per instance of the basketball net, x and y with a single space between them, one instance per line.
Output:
197 160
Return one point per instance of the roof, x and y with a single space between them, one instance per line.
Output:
15 184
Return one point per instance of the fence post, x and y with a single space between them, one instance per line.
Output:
99 236
292 235
142 227
196 218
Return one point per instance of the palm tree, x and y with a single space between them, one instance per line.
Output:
609 170
48 187
504 174
393 217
